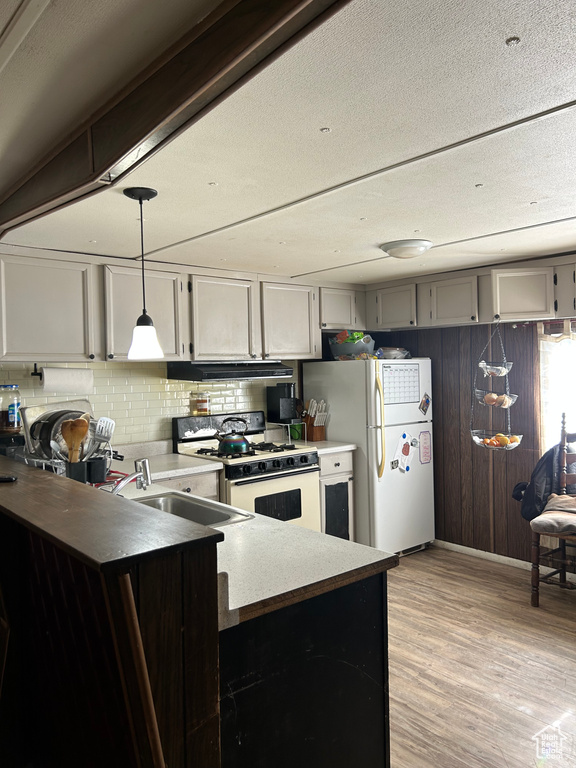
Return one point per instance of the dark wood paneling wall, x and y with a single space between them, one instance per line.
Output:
473 485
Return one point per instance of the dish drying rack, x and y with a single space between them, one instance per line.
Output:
489 399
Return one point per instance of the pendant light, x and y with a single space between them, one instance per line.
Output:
145 345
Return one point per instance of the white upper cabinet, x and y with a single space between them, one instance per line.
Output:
448 302
392 307
48 310
523 294
290 321
225 319
565 290
342 308
123 306
455 301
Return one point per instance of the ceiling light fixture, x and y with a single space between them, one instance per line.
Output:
406 249
145 345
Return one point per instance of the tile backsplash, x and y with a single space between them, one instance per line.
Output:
138 396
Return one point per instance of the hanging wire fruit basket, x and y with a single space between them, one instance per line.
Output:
494 441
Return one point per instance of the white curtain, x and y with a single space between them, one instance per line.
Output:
557 387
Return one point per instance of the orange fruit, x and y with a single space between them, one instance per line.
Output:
503 440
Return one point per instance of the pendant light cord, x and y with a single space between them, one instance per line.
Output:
142 251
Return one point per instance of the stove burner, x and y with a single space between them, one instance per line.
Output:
273 447
222 455
234 455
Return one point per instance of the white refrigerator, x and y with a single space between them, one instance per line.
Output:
385 408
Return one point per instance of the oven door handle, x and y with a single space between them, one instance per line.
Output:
263 478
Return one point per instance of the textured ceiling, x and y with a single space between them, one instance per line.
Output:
437 129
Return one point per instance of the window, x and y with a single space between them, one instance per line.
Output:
557 381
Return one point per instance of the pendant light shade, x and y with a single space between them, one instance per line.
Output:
145 344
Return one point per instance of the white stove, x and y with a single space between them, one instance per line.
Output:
279 480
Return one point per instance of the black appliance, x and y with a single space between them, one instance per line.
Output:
240 371
281 404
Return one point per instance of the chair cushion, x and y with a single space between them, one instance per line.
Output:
559 515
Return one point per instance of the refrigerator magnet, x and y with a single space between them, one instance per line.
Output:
425 403
425 447
404 451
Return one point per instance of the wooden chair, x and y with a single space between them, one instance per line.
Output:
557 521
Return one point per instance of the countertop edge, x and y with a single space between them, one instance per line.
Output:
283 600
330 446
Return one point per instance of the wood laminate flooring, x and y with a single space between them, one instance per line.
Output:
475 672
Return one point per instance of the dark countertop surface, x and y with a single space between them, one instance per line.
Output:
105 532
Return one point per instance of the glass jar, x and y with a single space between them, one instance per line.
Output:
200 403
9 414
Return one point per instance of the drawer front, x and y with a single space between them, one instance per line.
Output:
204 484
335 463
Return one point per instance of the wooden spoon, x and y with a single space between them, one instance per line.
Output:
74 432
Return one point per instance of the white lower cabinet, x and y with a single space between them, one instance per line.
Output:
204 484
290 321
49 310
341 308
123 306
337 494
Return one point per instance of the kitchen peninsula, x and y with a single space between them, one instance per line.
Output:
114 647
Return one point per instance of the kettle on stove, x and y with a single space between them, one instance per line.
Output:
233 442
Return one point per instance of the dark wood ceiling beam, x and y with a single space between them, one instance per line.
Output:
225 49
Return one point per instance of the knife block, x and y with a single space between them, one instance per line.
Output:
314 434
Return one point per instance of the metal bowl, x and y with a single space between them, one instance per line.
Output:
494 369
500 401
479 436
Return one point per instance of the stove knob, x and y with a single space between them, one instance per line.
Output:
290 461
246 469
276 463
304 459
262 466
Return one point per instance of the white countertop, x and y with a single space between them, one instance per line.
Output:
265 564
169 465
329 446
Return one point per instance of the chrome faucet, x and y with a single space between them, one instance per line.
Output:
141 474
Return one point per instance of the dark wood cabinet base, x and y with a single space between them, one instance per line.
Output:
307 685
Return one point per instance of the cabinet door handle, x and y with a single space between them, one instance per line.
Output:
110 356
187 490
337 464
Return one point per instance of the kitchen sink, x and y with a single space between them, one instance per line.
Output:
195 509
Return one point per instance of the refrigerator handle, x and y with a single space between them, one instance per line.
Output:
381 396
